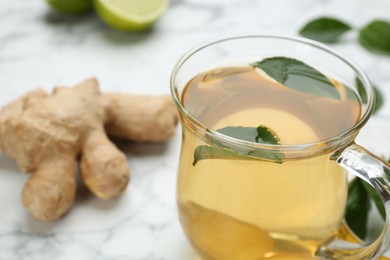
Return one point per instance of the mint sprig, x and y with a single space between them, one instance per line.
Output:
298 75
374 37
260 134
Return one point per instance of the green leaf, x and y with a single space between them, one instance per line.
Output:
376 198
378 99
203 152
325 29
261 134
298 75
358 207
375 37
360 195
214 152
363 95
361 90
240 132
266 136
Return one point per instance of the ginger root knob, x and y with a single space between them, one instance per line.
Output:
47 134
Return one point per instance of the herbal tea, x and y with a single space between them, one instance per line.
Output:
256 209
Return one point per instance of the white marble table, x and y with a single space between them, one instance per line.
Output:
41 48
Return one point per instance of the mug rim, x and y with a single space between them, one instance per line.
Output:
336 140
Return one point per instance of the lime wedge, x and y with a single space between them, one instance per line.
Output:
130 15
71 6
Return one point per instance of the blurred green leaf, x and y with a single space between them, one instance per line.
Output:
376 198
375 37
358 208
379 99
325 29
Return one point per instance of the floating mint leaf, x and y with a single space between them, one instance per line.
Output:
261 134
358 207
325 29
266 135
240 132
214 152
375 37
363 95
298 75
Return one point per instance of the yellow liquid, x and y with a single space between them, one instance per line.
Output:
244 210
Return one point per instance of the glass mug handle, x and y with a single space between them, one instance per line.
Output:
375 171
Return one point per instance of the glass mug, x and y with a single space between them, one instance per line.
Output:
244 210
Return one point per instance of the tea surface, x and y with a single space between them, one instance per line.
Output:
245 96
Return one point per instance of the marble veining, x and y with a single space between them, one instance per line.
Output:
39 47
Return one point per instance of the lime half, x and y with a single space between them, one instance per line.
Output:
130 15
71 6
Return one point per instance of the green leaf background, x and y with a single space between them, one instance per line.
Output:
375 37
325 29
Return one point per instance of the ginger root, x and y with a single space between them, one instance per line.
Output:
48 134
